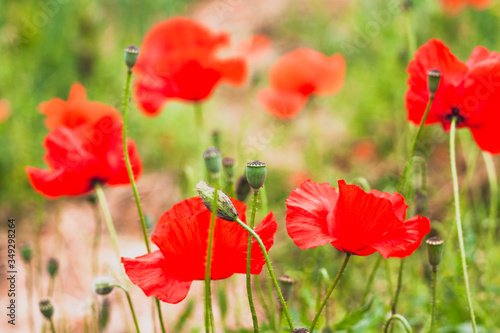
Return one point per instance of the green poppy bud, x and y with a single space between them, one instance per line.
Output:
26 252
213 160
52 267
131 55
225 208
46 307
103 285
256 174
435 250
433 79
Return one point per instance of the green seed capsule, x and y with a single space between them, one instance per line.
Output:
435 250
131 55
433 79
256 174
103 285
213 160
46 307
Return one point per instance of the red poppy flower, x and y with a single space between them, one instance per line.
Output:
181 235
81 156
453 7
296 76
469 91
76 111
178 60
352 220
4 110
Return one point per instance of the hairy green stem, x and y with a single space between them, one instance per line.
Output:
458 219
107 218
249 257
330 290
270 270
434 288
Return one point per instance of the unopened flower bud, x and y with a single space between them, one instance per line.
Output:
46 307
26 252
242 189
435 250
286 283
213 160
103 285
256 174
131 55
225 208
52 267
433 79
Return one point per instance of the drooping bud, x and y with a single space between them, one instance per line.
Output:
46 307
242 189
104 312
103 285
435 250
256 174
52 267
26 252
286 283
225 208
433 79
131 55
213 160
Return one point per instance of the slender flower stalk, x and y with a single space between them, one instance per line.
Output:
270 270
329 292
107 218
267 310
493 180
458 219
96 240
129 304
370 279
435 252
434 288
401 319
249 257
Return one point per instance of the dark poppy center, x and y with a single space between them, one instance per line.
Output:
455 113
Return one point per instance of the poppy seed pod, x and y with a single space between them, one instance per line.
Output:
225 208
46 307
228 164
286 283
213 160
131 55
102 285
433 79
26 252
256 174
52 267
435 250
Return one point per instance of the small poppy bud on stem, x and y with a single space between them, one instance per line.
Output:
131 55
26 252
103 285
242 189
256 174
213 161
225 208
435 250
52 267
286 284
433 79
46 307
228 167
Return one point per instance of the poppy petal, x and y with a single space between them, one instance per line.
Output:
307 210
156 277
397 200
282 104
233 71
55 183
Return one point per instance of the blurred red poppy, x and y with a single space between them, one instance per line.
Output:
4 110
352 220
181 235
76 110
469 91
82 156
296 76
178 60
453 7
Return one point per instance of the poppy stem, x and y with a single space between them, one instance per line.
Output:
329 292
107 217
398 287
52 327
249 257
130 305
270 270
127 161
160 316
434 288
370 279
401 319
493 180
456 195
209 316
96 241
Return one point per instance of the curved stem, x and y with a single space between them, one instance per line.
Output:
249 257
52 327
456 195
127 162
434 287
371 278
107 217
401 319
160 316
270 270
330 290
130 305
209 316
